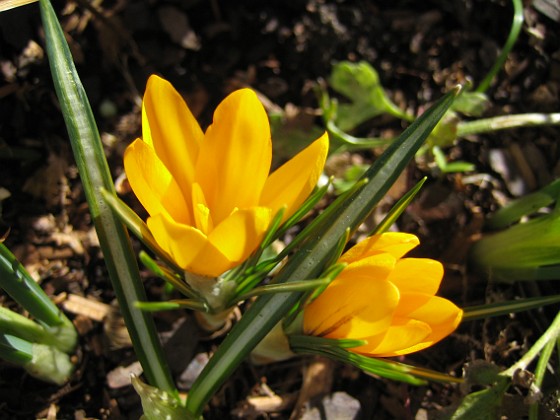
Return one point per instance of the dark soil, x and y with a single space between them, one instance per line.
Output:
281 49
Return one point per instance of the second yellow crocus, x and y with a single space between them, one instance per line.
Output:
384 299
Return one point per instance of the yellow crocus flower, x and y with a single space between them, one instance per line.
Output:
209 195
384 299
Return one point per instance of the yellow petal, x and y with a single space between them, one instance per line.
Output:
372 268
189 247
235 156
420 275
182 242
394 243
402 334
168 123
440 314
241 233
351 308
292 183
431 309
152 183
231 242
210 262
202 217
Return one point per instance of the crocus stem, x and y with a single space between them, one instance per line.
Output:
95 174
539 375
486 125
512 38
551 334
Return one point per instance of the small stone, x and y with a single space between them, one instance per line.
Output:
338 406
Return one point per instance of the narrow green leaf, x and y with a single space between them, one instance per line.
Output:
488 310
17 325
137 226
309 261
294 286
312 341
399 208
517 23
458 167
525 206
94 172
19 284
387 368
380 367
171 305
15 350
166 274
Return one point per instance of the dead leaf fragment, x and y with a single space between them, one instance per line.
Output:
87 307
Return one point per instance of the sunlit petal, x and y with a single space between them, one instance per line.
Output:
235 157
241 233
394 243
372 268
402 334
202 217
433 310
182 242
188 247
421 275
175 133
152 183
351 308
442 315
292 183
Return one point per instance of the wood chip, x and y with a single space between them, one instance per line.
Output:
87 307
271 404
120 377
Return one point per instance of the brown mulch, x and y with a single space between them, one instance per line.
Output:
206 49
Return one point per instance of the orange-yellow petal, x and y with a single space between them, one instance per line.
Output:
202 218
182 242
420 275
402 334
292 183
370 269
153 184
351 308
394 243
440 314
168 123
235 156
239 235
